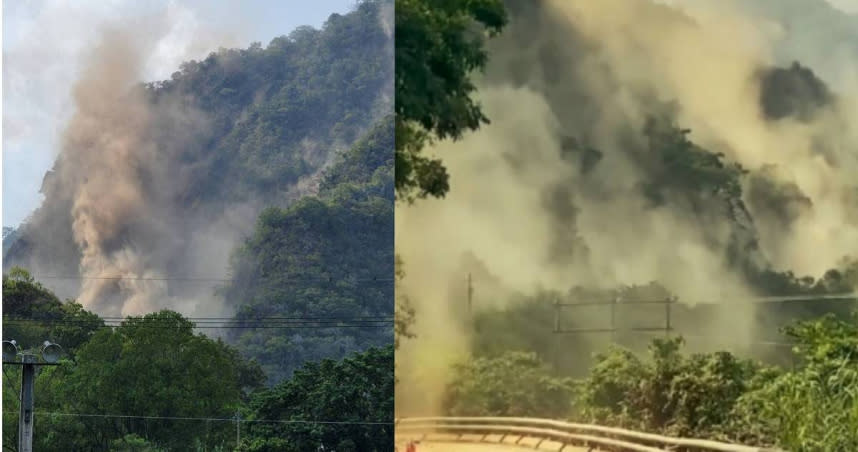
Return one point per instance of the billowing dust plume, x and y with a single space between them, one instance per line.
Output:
570 79
104 150
146 201
113 205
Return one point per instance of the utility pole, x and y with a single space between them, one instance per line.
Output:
470 294
556 340
667 304
25 421
614 301
50 354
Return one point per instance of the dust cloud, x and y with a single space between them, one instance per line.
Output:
143 207
111 205
538 215
104 149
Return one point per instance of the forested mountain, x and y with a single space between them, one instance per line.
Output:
649 216
205 237
328 257
277 157
626 172
10 234
629 165
242 130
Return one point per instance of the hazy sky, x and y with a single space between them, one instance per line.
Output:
42 46
849 6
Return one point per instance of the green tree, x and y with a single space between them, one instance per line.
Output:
681 166
33 314
510 384
439 44
404 316
133 443
355 397
671 393
525 323
149 366
814 407
329 256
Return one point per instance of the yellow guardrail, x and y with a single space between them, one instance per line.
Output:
568 433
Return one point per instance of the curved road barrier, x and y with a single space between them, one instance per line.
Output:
433 445
537 432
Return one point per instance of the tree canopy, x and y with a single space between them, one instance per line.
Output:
357 392
151 383
328 257
439 44
298 135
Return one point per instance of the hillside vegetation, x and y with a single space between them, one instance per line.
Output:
150 383
226 137
610 158
265 185
328 257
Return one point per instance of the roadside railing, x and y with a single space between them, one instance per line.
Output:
596 437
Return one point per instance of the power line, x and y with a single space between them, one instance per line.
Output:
272 318
168 324
14 389
728 302
212 279
328 327
721 339
667 329
369 318
261 322
610 298
307 318
214 419
786 298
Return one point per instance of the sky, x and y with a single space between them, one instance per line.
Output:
42 45
847 6
44 41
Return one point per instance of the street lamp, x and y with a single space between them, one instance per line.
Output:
10 350
50 354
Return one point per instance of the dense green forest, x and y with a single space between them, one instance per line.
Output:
156 366
296 134
790 382
329 256
181 390
811 406
267 175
